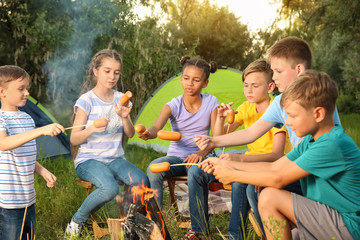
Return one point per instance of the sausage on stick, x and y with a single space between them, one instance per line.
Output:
230 119
139 128
165 166
171 136
100 122
125 98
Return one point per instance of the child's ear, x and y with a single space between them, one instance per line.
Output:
319 114
206 82
95 71
271 87
300 68
2 90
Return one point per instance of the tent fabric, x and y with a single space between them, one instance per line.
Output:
47 146
226 84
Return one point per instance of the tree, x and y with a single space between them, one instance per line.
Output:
332 29
214 33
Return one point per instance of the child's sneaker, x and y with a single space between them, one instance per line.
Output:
73 229
191 235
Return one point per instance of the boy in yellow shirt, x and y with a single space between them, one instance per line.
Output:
258 84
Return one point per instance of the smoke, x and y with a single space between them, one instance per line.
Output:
67 67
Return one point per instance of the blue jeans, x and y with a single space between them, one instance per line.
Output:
156 179
11 221
105 176
253 198
198 190
239 211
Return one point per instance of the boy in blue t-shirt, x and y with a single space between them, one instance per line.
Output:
326 161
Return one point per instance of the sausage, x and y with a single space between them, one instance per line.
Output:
230 116
125 98
159 167
139 128
100 122
171 136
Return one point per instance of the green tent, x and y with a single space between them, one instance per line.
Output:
225 84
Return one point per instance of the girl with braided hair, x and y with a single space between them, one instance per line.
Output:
100 158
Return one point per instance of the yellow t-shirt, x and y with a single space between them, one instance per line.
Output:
246 116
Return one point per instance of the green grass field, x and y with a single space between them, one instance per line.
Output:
55 207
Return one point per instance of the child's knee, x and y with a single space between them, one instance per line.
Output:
109 192
267 197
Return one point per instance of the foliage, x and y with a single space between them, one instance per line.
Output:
214 33
331 27
30 31
275 227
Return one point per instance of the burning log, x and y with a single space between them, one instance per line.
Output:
152 206
144 227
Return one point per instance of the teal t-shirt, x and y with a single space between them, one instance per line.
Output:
333 161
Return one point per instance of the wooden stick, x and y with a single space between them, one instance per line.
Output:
227 131
84 125
182 164
22 227
186 137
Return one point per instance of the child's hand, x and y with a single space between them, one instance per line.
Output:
204 142
194 158
122 110
224 174
49 178
223 109
144 135
52 129
209 164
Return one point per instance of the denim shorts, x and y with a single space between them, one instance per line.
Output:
11 222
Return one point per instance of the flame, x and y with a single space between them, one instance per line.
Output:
162 224
140 191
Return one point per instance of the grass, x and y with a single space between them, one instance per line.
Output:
56 206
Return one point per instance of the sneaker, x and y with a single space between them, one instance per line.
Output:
191 235
73 229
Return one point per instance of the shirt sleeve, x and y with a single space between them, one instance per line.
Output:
3 125
84 104
239 117
273 113
324 154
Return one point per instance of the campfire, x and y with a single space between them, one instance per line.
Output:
144 219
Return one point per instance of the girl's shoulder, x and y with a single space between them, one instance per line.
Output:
208 98
177 100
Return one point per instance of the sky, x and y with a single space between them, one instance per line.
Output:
255 13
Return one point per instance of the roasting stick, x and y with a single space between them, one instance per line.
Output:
100 122
165 166
84 125
230 120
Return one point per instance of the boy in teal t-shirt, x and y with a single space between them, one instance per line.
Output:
327 162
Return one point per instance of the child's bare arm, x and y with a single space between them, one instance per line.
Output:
151 132
237 138
124 113
277 152
46 174
277 174
80 134
10 142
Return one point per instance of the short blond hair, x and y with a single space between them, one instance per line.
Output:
259 65
294 49
312 89
10 73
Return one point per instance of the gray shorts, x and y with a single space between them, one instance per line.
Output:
315 220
